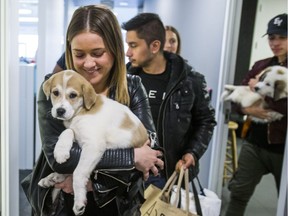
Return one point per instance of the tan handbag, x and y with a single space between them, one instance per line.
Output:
158 201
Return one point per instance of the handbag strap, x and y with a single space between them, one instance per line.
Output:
200 186
187 189
179 183
170 181
196 198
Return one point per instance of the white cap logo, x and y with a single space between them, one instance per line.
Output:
277 21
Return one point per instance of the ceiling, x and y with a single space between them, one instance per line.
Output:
112 3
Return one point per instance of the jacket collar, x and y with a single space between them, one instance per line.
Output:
178 68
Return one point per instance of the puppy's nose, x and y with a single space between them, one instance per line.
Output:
256 88
61 112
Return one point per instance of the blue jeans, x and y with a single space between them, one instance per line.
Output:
158 181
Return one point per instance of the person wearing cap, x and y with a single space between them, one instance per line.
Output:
263 150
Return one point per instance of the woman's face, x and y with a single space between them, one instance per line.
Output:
91 59
171 43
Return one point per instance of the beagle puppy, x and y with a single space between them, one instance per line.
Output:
94 121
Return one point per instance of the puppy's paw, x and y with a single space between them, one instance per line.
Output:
45 183
79 208
61 155
51 180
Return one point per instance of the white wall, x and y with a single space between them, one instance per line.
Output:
10 107
50 32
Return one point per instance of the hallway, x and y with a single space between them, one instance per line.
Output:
263 202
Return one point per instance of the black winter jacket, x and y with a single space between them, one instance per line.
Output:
186 119
117 163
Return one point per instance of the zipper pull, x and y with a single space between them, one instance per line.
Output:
95 174
176 106
152 136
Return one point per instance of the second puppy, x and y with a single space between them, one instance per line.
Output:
272 83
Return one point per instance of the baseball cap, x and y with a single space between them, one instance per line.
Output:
278 25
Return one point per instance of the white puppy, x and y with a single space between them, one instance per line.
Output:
272 83
95 121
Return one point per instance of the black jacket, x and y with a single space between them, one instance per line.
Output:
186 119
128 181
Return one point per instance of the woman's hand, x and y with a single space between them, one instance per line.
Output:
186 161
67 185
147 159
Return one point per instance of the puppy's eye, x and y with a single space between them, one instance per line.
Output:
56 93
72 95
268 84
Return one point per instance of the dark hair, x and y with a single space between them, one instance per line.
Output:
100 20
171 28
148 26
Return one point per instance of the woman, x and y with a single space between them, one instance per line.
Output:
94 48
173 41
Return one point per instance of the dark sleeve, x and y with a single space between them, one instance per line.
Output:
203 115
278 106
61 62
139 103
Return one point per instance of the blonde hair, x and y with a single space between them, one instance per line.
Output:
101 20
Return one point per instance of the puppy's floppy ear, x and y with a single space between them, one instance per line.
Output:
89 96
47 87
279 87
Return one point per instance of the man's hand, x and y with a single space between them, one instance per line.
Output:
186 161
256 111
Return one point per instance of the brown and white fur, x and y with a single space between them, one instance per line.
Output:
272 83
95 121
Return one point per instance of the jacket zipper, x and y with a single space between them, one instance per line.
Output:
44 199
163 118
102 171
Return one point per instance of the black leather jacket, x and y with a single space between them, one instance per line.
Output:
186 119
114 175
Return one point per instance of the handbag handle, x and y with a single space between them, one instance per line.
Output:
166 191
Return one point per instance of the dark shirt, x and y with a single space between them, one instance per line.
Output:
155 85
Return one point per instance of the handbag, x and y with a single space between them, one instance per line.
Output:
158 201
209 201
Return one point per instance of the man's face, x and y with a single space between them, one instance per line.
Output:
278 45
138 52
